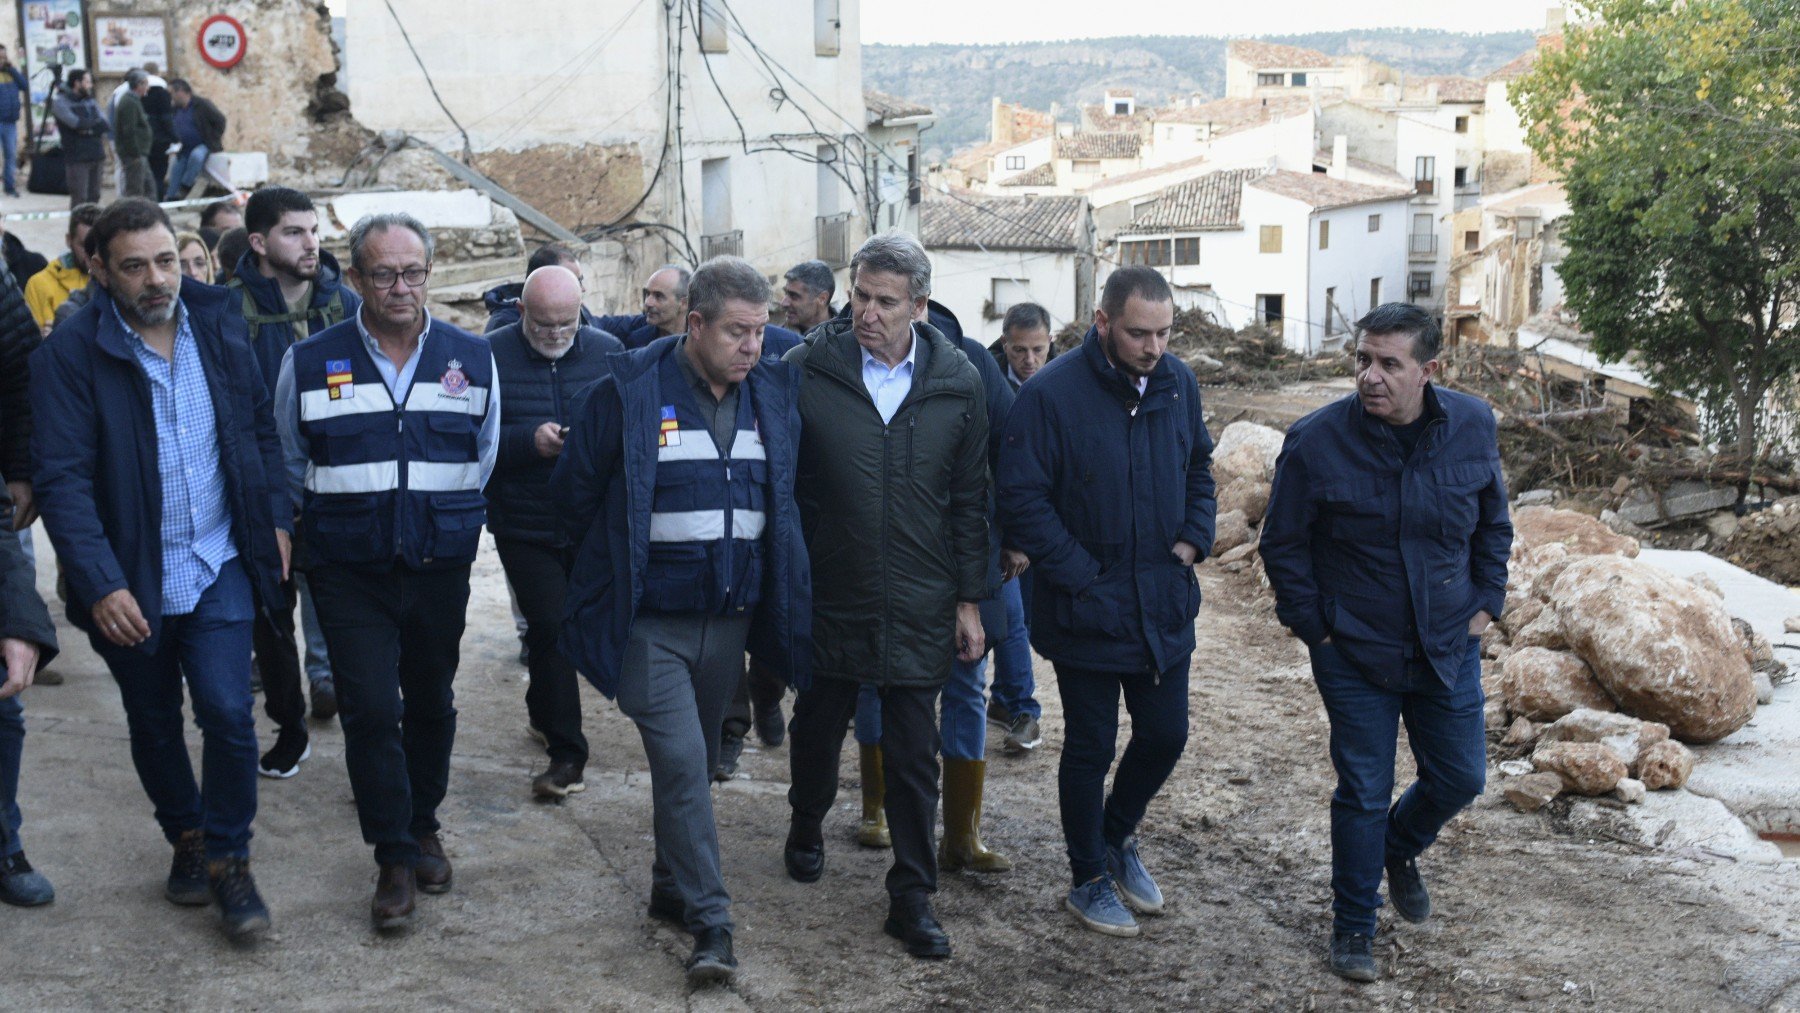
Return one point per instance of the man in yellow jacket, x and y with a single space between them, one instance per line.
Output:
51 287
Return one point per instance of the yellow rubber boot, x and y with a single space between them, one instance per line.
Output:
961 847
872 832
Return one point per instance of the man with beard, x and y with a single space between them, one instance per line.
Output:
1386 544
390 422
158 475
1106 486
287 289
83 129
543 360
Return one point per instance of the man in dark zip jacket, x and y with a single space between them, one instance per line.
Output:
893 491
286 289
678 482
158 474
543 361
1106 485
1386 543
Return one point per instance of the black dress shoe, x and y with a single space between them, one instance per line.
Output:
915 925
805 862
712 962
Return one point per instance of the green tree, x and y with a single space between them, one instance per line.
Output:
1676 127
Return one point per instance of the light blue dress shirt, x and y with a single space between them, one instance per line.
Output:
196 522
889 386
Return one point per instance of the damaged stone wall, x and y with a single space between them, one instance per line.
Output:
282 98
579 187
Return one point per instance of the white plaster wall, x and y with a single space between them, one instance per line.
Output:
1354 257
1414 138
1502 129
963 281
1035 153
1288 142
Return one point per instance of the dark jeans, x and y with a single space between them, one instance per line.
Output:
1443 724
909 746
1092 820
12 748
278 659
760 687
539 575
209 648
394 639
84 182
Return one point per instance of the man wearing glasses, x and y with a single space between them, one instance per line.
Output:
390 422
544 360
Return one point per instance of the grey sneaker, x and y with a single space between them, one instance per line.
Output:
21 885
1135 884
1096 905
1023 734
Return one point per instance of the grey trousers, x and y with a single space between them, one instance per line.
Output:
137 179
84 182
678 678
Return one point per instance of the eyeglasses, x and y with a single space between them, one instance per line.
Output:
550 331
383 278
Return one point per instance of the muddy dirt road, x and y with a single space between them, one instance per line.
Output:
548 907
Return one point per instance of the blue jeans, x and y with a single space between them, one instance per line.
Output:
12 745
1092 817
962 713
209 648
9 148
318 663
1443 724
185 170
1013 687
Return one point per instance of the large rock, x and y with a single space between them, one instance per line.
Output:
1625 735
1230 531
1665 765
1586 768
1519 616
1245 494
1544 630
1543 685
1246 450
1580 534
1662 648
1529 793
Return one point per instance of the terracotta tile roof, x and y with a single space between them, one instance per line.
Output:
1150 173
1451 87
1321 192
1096 119
883 106
1209 202
1522 64
1092 145
1271 54
1228 115
1001 223
1040 175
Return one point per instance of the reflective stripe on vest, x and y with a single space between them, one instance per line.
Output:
705 525
377 476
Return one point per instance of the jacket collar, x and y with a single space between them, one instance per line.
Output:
1435 409
267 291
1114 380
202 302
836 338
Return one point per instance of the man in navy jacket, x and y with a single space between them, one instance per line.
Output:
1106 485
544 361
288 289
157 472
1386 543
677 482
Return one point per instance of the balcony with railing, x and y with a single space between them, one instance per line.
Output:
834 238
723 244
1422 246
1425 188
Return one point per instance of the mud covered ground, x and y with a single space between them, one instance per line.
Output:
547 912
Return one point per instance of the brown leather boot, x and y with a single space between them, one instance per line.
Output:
872 832
433 870
395 893
961 847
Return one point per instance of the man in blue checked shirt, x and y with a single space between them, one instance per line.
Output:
157 470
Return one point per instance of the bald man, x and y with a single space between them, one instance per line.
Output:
542 362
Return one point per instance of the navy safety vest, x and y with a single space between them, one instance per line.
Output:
709 508
389 482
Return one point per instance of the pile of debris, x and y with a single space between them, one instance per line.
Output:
1767 543
1254 357
1243 468
1602 666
